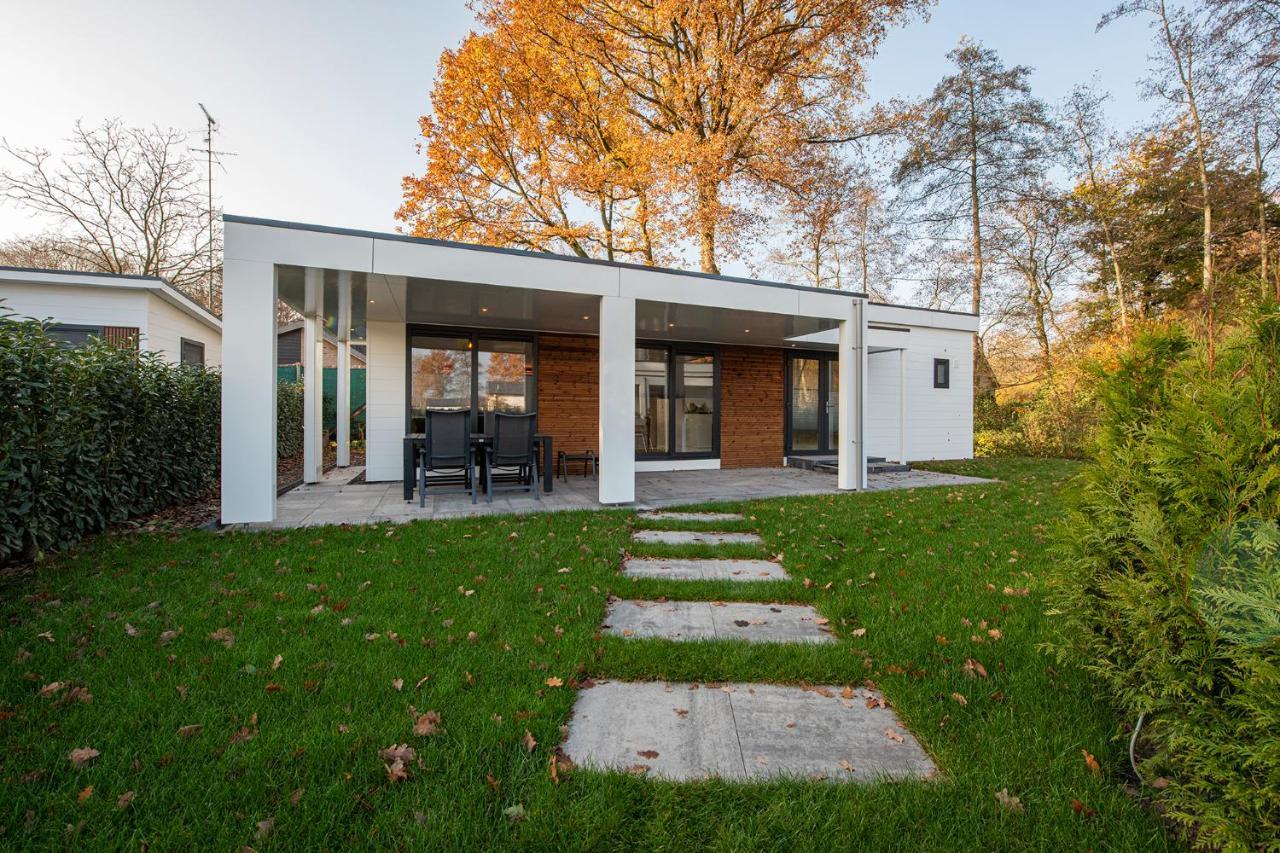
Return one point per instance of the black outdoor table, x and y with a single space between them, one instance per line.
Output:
415 440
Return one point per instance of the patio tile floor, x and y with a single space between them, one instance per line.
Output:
336 500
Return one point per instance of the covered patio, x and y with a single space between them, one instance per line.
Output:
652 370
336 500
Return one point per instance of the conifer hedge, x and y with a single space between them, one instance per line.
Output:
94 435
1172 583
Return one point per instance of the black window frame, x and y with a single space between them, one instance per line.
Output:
474 335
183 343
675 348
945 381
824 358
89 331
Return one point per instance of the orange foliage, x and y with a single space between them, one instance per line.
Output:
613 128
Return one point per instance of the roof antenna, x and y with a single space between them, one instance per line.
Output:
211 126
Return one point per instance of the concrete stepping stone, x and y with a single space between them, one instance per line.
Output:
716 620
703 570
695 537
659 515
742 732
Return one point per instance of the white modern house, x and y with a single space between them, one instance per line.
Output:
650 369
142 311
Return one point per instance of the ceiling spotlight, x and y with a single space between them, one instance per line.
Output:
586 316
671 325
370 301
746 330
484 310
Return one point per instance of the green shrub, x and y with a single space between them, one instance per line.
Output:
94 435
1170 577
289 406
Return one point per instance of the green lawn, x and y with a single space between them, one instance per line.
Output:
474 617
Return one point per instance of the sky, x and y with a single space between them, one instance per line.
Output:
319 100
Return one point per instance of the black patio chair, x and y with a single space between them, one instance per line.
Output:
512 451
447 450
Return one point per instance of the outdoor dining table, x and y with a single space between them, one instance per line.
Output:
414 441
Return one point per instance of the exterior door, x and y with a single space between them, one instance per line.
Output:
812 414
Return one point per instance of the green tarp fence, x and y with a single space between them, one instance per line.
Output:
293 373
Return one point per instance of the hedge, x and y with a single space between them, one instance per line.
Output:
95 435
289 408
1171 591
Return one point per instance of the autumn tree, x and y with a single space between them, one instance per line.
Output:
124 200
669 117
978 141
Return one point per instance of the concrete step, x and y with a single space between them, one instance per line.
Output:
684 621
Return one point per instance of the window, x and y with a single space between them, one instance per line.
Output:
451 371
941 373
192 352
69 335
677 392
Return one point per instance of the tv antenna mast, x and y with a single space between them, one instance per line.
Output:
211 127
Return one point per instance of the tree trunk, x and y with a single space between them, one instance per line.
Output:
1264 249
708 201
982 372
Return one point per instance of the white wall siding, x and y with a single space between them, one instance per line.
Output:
77 306
167 326
884 404
939 420
385 400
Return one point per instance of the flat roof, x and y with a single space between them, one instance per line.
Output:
152 283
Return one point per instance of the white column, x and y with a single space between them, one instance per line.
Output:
902 406
248 389
851 465
343 389
313 377
617 443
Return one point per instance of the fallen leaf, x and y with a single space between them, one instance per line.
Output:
189 731
224 636
973 668
1091 763
296 796
398 684
129 630
847 693
243 735
1010 802
84 794
846 766
959 697
527 741
275 663
553 681
123 801
1081 809
52 688
1021 592
1159 783
427 724
82 756
859 632
893 736
264 828
647 753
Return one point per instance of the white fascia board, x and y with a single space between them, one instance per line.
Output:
677 289
504 269
246 241
927 318
147 284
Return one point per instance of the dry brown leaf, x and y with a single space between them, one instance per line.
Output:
427 724
1091 763
1010 802
275 663
398 684
85 794
959 697
527 741
189 731
82 756
647 753
553 681
264 828
893 736
52 688
224 636
847 693
123 801
974 668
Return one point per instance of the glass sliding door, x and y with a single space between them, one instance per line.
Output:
695 403
813 413
464 370
677 396
651 401
806 401
504 377
439 376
